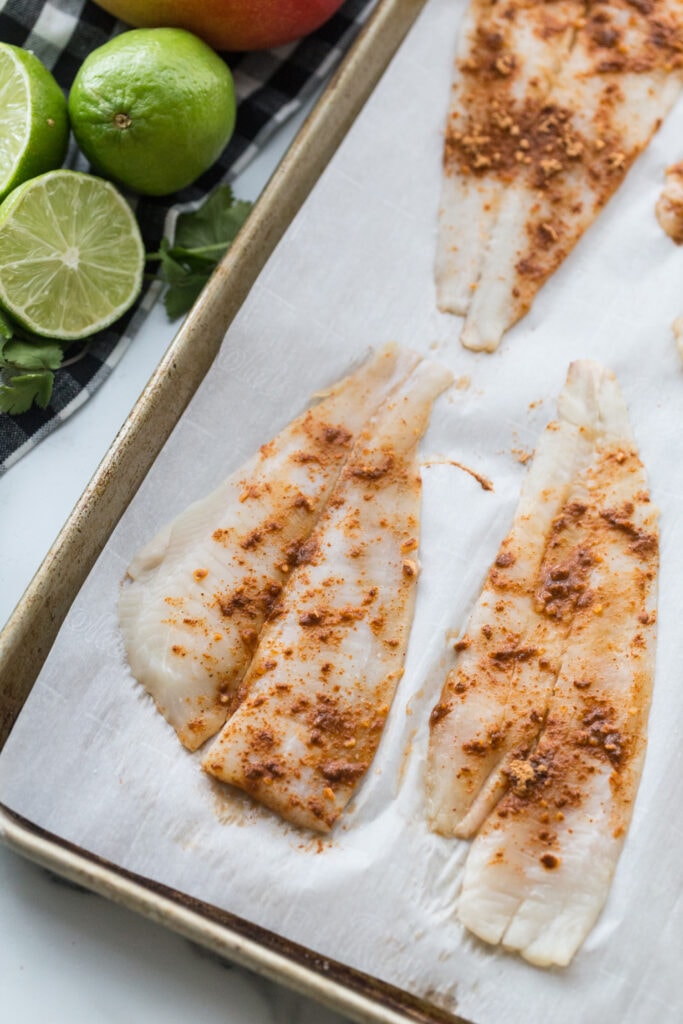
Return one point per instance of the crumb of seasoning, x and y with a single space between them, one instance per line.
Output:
521 775
483 481
522 455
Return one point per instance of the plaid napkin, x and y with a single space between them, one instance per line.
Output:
271 86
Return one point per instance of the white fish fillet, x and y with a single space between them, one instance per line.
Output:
320 686
491 33
552 158
543 760
197 595
507 636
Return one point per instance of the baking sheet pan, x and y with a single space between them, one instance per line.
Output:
305 320
357 995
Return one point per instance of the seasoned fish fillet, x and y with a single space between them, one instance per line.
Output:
319 689
541 755
197 595
484 712
552 156
483 87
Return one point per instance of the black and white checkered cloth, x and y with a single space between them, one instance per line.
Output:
270 85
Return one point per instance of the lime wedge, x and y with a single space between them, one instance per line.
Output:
34 125
71 255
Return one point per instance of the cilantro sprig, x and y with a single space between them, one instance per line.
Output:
201 238
28 363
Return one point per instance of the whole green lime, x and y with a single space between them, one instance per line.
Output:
34 127
153 109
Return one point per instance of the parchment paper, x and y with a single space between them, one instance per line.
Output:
91 760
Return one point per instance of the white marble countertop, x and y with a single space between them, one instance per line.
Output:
68 956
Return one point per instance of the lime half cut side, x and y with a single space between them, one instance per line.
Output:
34 124
71 255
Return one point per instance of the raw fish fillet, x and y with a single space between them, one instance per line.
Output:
196 597
508 635
544 142
487 79
538 739
319 689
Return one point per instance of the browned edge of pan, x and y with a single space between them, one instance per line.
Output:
361 997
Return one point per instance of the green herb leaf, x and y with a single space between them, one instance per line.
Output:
172 271
202 236
215 222
25 355
26 365
182 296
18 391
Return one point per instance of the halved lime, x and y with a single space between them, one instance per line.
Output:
71 255
34 125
